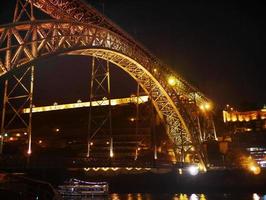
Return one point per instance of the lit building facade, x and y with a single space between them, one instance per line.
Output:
248 131
245 121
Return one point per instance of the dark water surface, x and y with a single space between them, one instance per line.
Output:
148 196
213 185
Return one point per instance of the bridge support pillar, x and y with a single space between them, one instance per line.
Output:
100 91
18 94
3 117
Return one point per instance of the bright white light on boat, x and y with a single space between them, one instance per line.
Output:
193 170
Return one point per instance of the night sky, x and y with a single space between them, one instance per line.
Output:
218 47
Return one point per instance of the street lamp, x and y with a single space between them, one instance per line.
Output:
29 152
193 170
171 80
206 106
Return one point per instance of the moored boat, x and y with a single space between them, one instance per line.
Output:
76 187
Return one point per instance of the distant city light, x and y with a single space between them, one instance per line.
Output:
25 133
18 134
5 134
255 169
40 141
132 119
57 130
29 152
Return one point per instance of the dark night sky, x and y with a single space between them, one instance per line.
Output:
218 47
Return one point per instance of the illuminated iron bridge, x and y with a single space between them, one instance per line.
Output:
79 29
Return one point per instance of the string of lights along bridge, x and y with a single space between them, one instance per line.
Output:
76 28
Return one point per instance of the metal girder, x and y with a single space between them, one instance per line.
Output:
54 36
79 11
100 89
15 103
61 37
178 132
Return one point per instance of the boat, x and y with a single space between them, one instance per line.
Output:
76 187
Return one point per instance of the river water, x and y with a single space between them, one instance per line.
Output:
148 196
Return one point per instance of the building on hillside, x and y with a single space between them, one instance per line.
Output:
248 131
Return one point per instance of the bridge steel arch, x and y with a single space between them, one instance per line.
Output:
79 29
25 42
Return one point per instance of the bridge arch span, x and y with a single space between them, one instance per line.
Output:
26 42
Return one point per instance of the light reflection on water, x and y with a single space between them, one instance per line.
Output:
141 196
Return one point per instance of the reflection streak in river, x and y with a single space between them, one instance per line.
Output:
143 196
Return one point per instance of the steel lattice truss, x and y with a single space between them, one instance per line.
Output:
24 43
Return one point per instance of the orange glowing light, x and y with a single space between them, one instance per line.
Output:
132 119
254 169
172 81
111 154
205 107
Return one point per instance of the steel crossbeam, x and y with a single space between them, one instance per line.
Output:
81 30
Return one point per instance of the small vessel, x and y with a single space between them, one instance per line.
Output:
76 187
